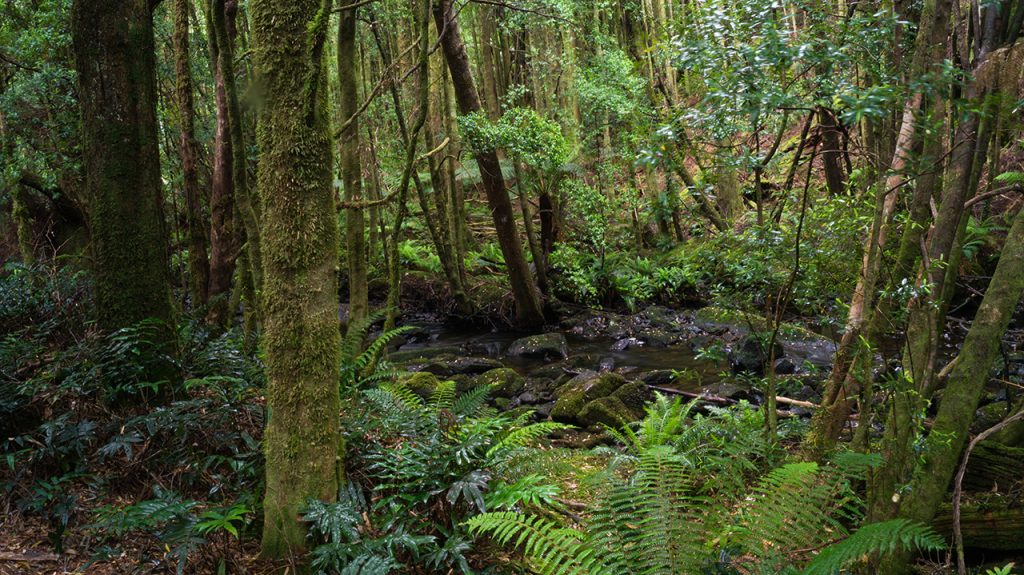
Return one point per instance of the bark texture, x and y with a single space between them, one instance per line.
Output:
301 336
114 59
198 261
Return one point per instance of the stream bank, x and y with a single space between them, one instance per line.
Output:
599 367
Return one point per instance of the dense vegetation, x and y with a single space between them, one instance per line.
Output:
532 286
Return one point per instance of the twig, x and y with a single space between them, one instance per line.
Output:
7 556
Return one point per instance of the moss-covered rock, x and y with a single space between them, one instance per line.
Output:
633 395
421 383
610 411
473 365
544 346
711 317
504 382
572 397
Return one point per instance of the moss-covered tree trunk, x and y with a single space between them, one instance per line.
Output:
301 336
524 290
198 262
114 59
945 441
351 171
841 392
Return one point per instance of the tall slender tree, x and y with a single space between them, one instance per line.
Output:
301 336
524 289
198 262
351 169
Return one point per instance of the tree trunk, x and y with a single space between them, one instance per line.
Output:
840 391
524 290
224 28
351 171
114 58
945 441
831 151
301 332
198 263
224 236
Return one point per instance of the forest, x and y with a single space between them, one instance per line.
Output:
551 287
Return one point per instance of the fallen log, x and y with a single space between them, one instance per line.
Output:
993 529
994 465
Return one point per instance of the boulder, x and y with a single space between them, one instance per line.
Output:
785 366
635 396
610 411
751 354
504 382
659 377
422 383
544 346
655 338
573 396
626 343
473 365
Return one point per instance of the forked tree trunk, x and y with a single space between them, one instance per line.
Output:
524 290
841 391
946 439
301 332
198 262
224 235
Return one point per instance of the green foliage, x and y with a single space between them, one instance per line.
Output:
426 465
666 509
361 364
875 538
175 522
523 133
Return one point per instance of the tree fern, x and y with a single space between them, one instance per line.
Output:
875 538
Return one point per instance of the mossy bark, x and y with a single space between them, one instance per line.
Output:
351 171
841 391
114 59
301 336
942 447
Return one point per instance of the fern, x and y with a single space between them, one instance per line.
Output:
443 396
524 436
790 508
550 547
471 402
872 539
360 363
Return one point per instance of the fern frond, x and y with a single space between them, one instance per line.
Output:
790 508
875 538
402 395
524 436
553 549
471 402
443 396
